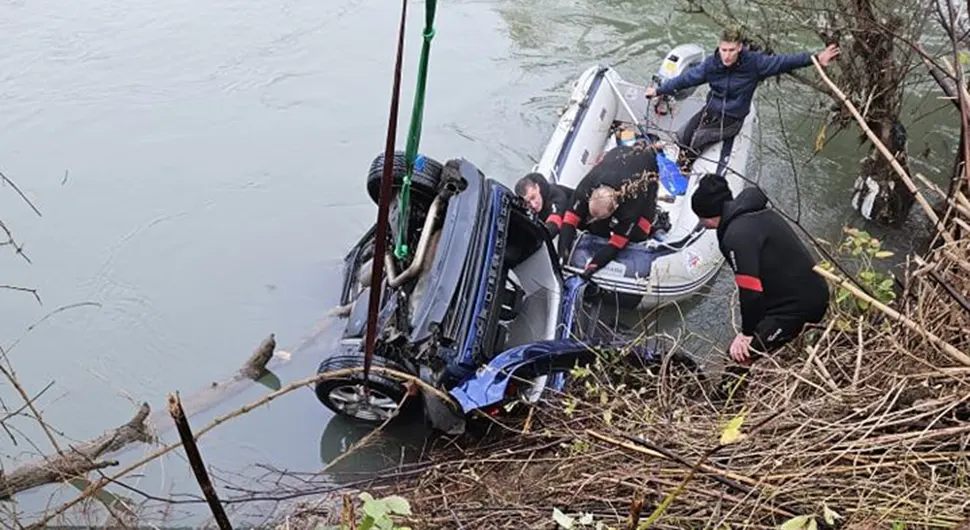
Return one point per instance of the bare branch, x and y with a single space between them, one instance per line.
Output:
22 196
23 289
81 459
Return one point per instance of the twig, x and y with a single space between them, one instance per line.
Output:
954 353
858 357
23 289
22 196
956 296
196 463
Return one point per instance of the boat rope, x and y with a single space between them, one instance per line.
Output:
414 134
383 205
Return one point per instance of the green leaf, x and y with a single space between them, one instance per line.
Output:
732 433
963 56
608 417
563 520
799 522
397 504
385 523
587 518
883 254
367 523
812 524
375 509
842 296
829 515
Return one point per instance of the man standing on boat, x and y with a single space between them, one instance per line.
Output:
778 290
616 199
548 201
733 74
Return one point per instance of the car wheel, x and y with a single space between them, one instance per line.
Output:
345 395
424 179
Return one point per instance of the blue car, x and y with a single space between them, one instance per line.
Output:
478 308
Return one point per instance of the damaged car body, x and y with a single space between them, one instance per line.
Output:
479 309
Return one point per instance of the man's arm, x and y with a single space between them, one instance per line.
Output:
558 202
771 65
577 211
693 76
743 248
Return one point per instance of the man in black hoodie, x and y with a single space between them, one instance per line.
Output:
548 201
618 199
778 290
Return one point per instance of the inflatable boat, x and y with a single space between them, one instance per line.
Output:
604 111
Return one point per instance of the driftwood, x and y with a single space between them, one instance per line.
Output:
77 460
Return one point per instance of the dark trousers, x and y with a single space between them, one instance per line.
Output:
703 129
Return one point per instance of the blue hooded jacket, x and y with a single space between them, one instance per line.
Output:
732 87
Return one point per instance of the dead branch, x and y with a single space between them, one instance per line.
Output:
954 353
196 463
23 289
231 415
256 364
21 193
76 460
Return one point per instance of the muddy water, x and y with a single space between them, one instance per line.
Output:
200 168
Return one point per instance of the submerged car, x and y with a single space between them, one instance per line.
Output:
478 308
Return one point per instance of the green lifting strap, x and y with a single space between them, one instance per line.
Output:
414 134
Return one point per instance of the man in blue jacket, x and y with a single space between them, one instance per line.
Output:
733 74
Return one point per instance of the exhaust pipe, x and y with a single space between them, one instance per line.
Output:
395 280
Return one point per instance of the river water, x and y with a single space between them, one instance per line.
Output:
200 170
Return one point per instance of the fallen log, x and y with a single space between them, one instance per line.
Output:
77 460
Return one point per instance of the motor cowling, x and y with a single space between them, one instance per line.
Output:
678 60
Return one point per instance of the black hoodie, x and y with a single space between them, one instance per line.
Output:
633 172
555 200
772 268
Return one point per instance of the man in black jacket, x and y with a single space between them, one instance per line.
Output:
548 201
617 198
778 290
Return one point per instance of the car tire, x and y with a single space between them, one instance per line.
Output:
424 179
342 394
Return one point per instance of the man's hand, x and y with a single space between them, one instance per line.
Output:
651 91
827 55
739 349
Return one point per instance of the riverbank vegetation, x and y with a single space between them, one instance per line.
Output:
865 423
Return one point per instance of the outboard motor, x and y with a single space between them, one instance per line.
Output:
676 62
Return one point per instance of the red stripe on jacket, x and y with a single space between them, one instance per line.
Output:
751 283
618 241
571 219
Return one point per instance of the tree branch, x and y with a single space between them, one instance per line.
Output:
79 460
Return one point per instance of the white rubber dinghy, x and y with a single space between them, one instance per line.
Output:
675 263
